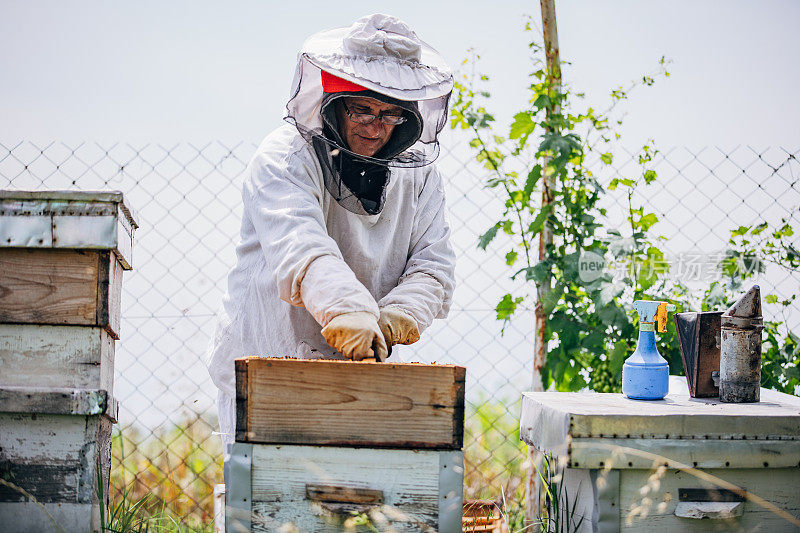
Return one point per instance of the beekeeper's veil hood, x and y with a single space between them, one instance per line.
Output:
377 57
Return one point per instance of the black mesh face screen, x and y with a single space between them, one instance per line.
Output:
356 184
413 144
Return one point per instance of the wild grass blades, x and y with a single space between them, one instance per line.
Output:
494 455
125 513
557 514
177 466
120 516
30 496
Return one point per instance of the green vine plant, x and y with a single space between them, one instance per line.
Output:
590 326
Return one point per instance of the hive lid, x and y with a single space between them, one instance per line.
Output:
550 420
68 219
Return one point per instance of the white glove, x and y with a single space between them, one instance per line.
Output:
356 336
398 327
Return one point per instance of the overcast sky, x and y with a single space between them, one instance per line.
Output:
199 71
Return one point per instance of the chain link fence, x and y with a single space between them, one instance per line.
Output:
187 200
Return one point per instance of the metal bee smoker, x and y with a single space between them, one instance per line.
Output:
740 350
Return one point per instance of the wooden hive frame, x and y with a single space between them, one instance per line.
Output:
344 403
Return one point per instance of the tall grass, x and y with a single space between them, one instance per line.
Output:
494 457
172 471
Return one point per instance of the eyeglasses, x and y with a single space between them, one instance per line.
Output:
369 118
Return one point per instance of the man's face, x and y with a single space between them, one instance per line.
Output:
365 139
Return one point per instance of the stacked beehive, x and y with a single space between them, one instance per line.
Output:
320 442
62 254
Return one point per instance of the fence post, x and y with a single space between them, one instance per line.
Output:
550 35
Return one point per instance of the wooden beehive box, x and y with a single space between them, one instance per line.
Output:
56 356
319 439
62 254
675 464
51 443
326 402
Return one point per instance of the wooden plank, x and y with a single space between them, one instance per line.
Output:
59 287
649 498
63 195
28 517
407 479
46 482
242 386
58 401
338 493
109 291
580 487
346 403
56 356
701 453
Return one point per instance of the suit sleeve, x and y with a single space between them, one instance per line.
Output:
425 290
283 201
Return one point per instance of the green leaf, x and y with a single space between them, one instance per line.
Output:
741 230
533 178
606 158
649 176
486 238
511 257
647 221
617 356
551 298
522 126
785 231
542 102
616 182
770 298
539 272
507 306
536 226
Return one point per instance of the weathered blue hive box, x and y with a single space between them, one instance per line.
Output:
678 464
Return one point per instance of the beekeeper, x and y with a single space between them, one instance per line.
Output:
344 246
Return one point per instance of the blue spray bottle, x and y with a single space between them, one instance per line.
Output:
645 374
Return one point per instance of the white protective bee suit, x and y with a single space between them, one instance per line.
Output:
305 255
